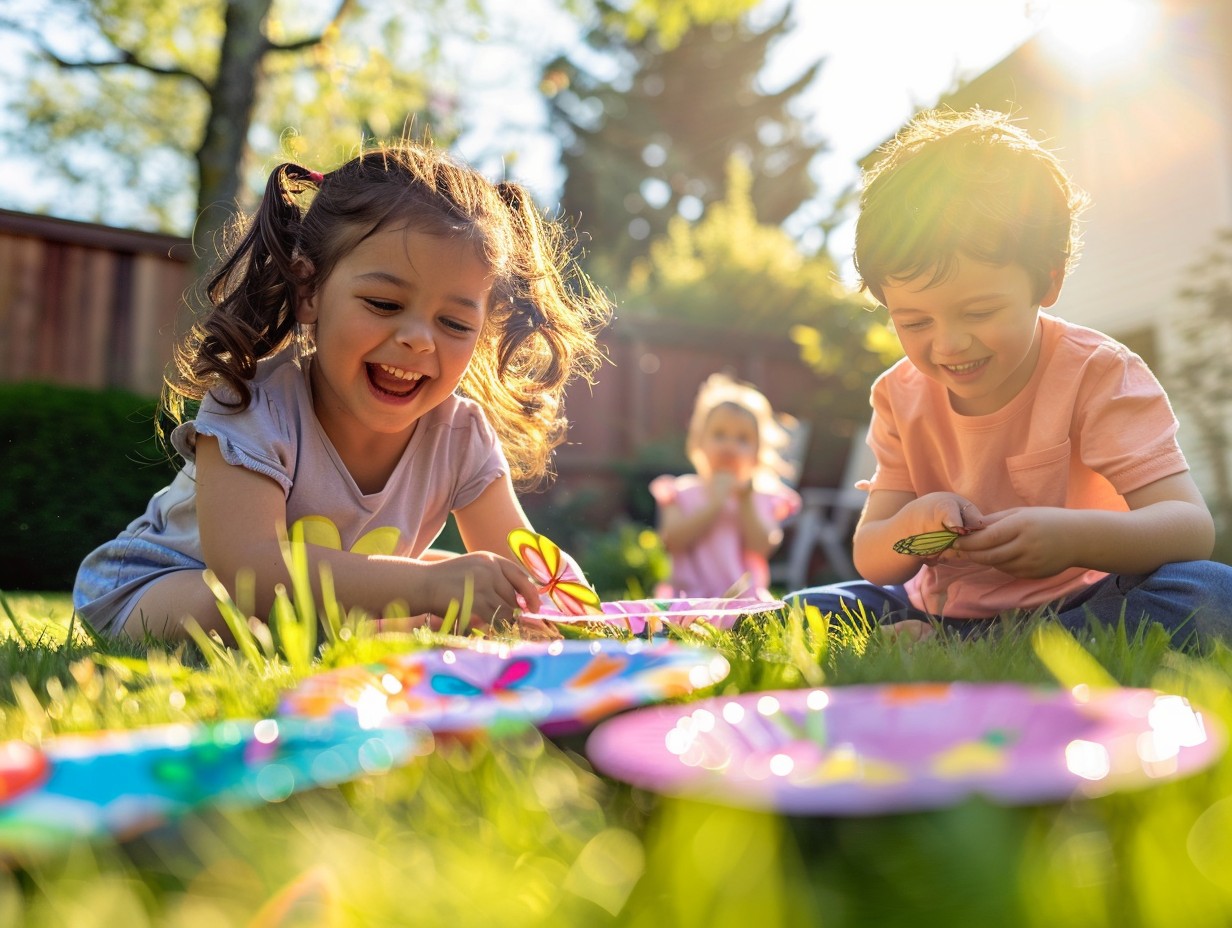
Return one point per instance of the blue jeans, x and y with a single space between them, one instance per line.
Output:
1188 598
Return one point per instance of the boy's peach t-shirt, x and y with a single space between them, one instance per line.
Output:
1092 425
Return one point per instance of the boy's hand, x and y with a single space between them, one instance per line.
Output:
1029 542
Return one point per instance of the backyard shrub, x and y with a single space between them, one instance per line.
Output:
628 560
76 466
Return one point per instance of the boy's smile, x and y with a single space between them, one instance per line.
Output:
976 332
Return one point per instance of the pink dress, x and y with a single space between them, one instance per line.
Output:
712 566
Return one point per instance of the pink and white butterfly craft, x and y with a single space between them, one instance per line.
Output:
555 573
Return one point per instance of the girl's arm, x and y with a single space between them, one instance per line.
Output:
1167 522
758 535
240 512
679 530
486 523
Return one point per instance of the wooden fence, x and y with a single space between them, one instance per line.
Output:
87 305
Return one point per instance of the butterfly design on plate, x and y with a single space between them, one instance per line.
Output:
512 677
555 573
928 543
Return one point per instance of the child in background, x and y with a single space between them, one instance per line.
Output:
388 343
721 524
1048 447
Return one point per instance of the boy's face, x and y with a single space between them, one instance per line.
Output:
976 333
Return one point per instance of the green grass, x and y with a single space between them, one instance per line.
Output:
519 830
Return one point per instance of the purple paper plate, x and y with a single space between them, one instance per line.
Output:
866 750
635 614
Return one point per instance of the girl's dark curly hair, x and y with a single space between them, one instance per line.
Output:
542 320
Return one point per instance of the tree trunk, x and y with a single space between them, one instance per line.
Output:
232 97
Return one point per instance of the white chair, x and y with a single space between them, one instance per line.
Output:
827 520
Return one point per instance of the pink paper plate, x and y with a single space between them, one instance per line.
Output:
635 614
481 684
863 750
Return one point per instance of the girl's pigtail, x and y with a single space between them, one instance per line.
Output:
547 320
253 291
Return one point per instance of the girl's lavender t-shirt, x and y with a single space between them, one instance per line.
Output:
451 459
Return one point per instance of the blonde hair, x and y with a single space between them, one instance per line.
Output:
721 391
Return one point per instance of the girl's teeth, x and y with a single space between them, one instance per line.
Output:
400 373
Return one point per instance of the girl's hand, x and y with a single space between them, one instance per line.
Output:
1030 542
722 484
500 587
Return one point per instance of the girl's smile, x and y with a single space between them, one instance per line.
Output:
393 382
397 322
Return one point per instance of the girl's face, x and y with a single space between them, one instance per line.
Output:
976 333
729 441
396 324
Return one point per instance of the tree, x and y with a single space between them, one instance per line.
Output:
182 105
171 103
647 130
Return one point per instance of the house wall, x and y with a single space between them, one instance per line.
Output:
1150 139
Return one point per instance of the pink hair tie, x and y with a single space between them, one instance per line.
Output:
316 176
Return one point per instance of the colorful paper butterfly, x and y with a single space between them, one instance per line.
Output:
510 678
926 544
555 573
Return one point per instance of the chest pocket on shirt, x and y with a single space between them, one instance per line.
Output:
1041 478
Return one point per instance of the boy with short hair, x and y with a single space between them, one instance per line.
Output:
1049 448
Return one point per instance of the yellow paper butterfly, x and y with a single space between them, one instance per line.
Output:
555 573
926 544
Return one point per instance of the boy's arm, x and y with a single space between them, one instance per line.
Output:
1168 521
890 515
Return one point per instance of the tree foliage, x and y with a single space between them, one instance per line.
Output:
731 271
172 103
164 114
647 131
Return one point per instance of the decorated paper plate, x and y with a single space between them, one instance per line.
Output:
22 768
559 684
123 782
863 750
636 614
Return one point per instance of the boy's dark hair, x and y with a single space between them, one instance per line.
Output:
970 183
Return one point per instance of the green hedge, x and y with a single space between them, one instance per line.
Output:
76 466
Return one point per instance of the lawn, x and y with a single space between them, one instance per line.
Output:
518 829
